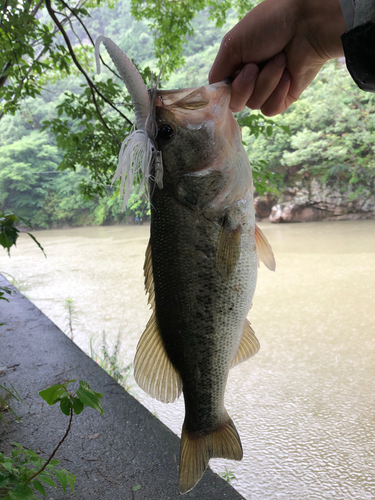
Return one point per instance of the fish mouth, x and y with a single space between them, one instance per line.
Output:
196 106
217 94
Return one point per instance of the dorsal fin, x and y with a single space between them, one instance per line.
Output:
153 371
149 277
264 250
249 345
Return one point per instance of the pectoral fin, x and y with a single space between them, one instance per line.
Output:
249 345
264 250
153 371
149 277
228 250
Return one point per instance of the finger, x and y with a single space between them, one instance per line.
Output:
243 86
260 35
280 99
267 81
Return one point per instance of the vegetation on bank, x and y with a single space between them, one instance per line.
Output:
24 473
57 157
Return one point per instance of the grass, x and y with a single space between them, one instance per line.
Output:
70 317
110 361
228 475
21 285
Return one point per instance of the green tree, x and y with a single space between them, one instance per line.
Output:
332 135
44 42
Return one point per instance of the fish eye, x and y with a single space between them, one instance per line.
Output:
165 132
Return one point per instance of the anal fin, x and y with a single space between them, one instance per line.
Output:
264 250
153 370
196 451
248 347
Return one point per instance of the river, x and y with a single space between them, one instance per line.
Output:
305 405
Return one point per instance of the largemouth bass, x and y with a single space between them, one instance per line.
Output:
201 271
200 268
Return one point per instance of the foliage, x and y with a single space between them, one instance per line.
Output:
228 475
4 290
95 116
33 51
4 401
16 472
71 316
77 124
332 136
20 284
171 23
32 185
110 362
8 237
92 118
22 474
9 232
255 124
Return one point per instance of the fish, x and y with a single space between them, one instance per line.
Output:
200 269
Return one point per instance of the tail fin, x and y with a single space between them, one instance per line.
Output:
196 452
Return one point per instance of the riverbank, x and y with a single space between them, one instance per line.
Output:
304 404
125 454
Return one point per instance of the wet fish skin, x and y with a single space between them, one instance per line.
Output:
203 260
201 263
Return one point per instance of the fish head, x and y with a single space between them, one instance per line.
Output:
201 143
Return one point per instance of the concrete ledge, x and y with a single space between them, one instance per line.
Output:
109 454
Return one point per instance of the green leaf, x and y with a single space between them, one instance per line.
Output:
52 394
37 242
71 480
54 462
88 397
62 477
22 492
65 406
20 447
47 480
137 487
7 466
39 487
69 382
78 406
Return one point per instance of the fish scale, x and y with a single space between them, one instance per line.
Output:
204 265
191 301
202 258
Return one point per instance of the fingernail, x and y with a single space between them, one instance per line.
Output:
280 59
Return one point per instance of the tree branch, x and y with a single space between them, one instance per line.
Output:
76 62
55 450
88 34
92 86
4 10
37 7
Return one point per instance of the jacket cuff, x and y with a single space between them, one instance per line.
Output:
348 10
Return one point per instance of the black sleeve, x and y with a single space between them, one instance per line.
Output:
359 41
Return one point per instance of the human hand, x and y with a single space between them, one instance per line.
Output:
294 37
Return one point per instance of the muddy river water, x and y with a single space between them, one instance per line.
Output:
305 405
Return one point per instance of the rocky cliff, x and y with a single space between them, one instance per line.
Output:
314 200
